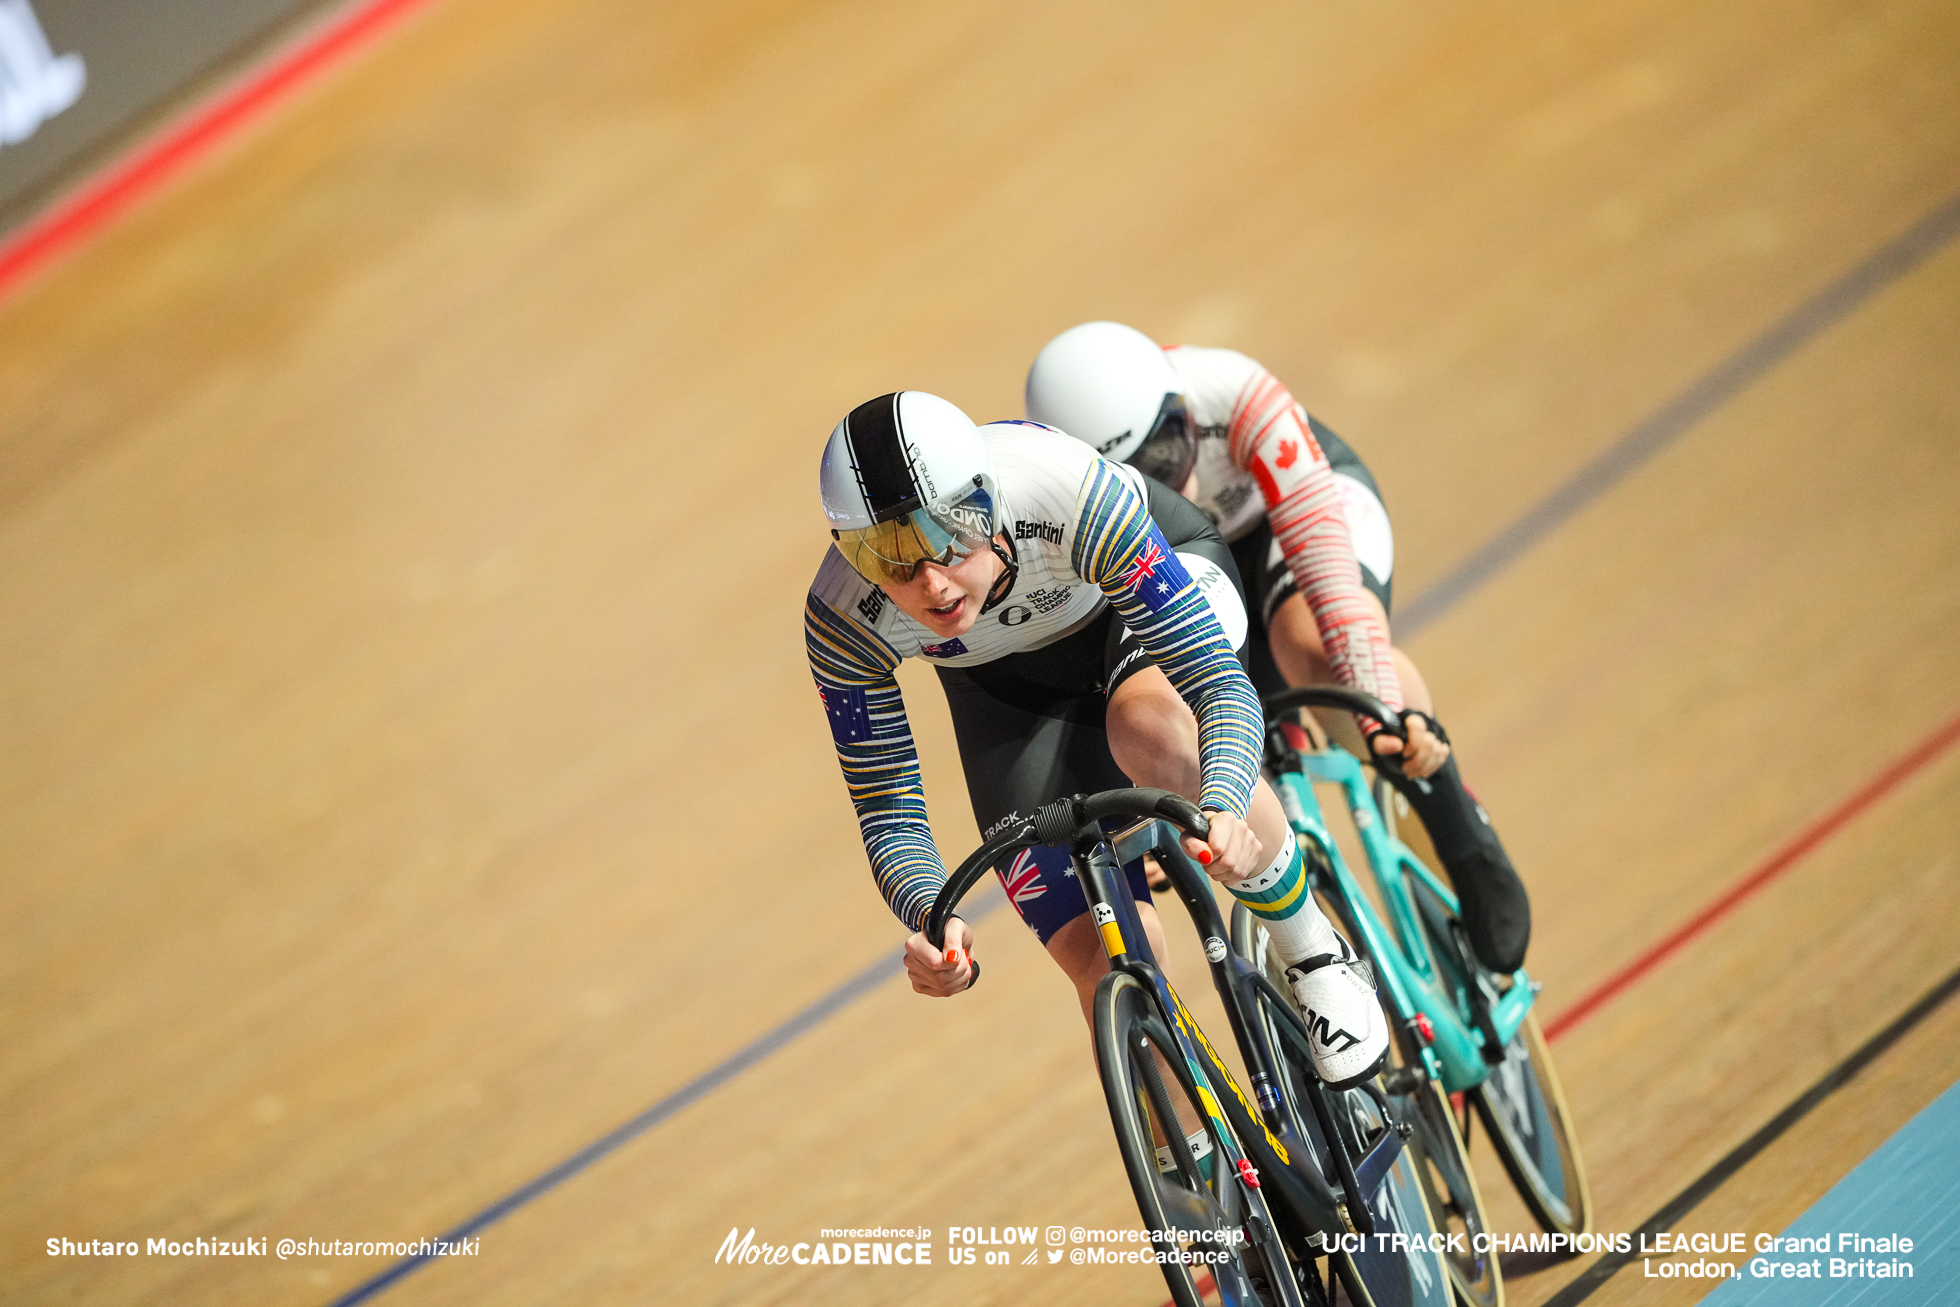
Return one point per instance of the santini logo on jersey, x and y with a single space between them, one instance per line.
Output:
871 605
1038 531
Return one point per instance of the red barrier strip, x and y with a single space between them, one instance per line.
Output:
154 162
1779 862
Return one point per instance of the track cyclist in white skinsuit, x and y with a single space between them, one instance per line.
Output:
1082 620
1313 545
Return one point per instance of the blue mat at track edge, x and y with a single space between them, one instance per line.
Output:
1910 1186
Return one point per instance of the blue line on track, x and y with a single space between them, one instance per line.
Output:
891 964
1708 393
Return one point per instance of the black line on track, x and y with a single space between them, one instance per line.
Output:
1609 1265
1704 395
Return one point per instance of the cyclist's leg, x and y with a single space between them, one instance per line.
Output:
1154 737
1152 733
1301 659
1491 899
1495 908
1029 729
1027 733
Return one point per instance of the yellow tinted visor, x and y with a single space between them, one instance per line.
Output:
889 552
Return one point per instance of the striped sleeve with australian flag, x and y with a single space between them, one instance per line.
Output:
854 670
1120 549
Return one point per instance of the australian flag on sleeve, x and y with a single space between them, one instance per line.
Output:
1157 575
850 713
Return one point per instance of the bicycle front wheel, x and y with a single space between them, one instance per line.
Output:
1380 1274
1197 1220
1523 1108
1450 1185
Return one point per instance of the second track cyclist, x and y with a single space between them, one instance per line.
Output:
1313 543
1082 621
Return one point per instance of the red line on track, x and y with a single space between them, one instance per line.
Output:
154 162
1775 865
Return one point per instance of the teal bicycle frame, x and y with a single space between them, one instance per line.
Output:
1470 1019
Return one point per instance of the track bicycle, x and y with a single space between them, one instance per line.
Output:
1255 1192
1465 1031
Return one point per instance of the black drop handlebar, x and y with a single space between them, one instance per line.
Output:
1074 821
1358 702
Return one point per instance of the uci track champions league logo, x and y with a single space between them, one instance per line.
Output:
35 83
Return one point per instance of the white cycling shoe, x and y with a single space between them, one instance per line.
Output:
1346 1031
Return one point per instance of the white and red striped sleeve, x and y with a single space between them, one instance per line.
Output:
1271 440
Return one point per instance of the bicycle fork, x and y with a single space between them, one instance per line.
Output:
1128 949
1311 1205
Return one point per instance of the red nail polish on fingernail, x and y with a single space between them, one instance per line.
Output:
1204 856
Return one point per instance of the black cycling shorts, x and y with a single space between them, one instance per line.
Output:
1031 728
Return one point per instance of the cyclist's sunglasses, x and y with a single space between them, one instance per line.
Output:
1170 451
889 553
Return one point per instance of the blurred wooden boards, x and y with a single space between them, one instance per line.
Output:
412 769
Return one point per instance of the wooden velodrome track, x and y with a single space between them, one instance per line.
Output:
411 772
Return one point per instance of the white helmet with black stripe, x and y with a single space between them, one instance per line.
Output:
906 479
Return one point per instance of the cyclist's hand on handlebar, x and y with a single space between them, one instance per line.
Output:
931 970
1232 852
1426 751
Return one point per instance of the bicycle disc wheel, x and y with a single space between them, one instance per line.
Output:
1455 1202
1523 1109
1200 1223
1380 1274
1520 1101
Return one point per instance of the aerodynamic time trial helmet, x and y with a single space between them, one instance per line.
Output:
1110 385
906 480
